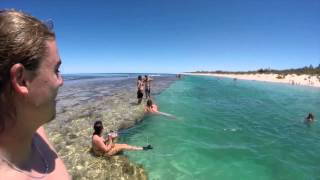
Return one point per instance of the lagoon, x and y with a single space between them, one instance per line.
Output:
230 129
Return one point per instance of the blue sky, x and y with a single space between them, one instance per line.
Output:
172 36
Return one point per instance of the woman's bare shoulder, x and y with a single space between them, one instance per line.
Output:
96 138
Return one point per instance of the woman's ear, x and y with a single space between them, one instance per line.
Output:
18 79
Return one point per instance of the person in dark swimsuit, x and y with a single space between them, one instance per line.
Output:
310 118
140 87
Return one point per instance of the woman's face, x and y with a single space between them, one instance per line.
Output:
43 89
102 130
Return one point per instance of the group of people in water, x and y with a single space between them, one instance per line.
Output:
143 85
101 146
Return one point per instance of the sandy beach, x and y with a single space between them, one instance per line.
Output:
304 80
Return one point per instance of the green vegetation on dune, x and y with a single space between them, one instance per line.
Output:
310 70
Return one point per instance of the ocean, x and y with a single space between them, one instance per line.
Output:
230 129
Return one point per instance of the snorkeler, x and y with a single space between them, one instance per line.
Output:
100 146
310 118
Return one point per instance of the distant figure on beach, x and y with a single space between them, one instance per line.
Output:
310 118
140 87
147 86
101 147
153 108
29 83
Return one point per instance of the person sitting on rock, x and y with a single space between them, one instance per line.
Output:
100 146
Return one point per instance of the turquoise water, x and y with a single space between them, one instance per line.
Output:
231 130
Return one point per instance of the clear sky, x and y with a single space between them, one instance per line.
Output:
172 36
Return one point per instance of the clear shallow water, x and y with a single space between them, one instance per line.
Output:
231 130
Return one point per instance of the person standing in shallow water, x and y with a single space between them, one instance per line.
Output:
147 86
140 87
102 147
29 83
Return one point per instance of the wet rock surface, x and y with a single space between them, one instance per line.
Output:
82 102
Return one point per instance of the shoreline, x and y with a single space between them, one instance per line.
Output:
293 79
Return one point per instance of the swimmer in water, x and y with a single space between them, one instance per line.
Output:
310 118
153 108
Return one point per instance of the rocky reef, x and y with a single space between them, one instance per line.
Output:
79 104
